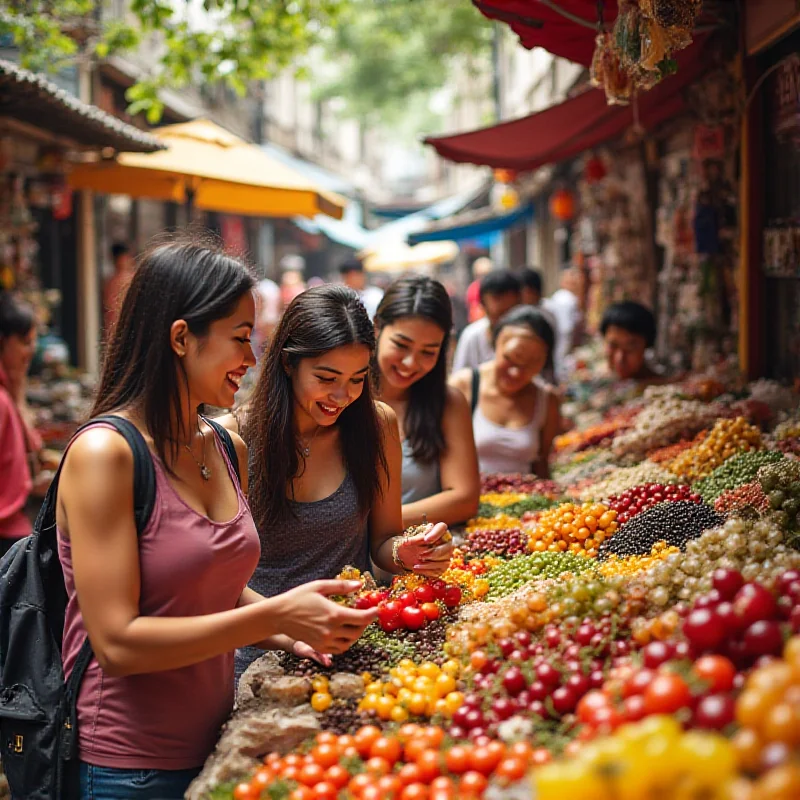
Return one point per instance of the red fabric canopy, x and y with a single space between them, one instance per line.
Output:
537 25
564 131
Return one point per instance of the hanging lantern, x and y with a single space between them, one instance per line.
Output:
595 170
505 175
562 205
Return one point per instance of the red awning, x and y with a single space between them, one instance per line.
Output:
539 25
565 130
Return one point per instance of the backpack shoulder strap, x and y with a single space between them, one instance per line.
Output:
227 442
476 388
144 474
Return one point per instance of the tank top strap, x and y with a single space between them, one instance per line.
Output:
542 402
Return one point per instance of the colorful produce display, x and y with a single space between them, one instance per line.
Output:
641 643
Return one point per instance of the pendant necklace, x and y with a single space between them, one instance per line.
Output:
205 472
305 449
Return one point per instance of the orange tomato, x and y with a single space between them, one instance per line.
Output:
511 769
378 766
485 759
272 759
457 759
409 773
415 748
390 785
408 732
540 756
243 792
472 784
291 773
387 748
414 791
302 793
522 750
261 780
429 763
365 738
358 783
434 736
327 737
325 791
338 776
346 741
478 659
293 760
372 792
311 774
326 754
442 783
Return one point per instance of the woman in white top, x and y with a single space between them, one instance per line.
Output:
515 414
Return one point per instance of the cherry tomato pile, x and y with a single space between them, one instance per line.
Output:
413 610
413 764
633 501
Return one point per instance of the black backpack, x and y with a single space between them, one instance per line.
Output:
38 718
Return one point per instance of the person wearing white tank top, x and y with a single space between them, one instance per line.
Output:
515 414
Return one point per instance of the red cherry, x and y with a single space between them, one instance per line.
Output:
727 582
424 594
514 681
754 603
715 712
763 638
703 629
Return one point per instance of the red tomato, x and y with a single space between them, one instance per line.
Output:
666 694
718 671
589 704
439 588
325 791
243 792
387 748
429 763
414 791
372 792
311 774
326 755
457 759
338 776
485 759
511 770
433 736
452 596
407 599
413 618
424 594
389 610
409 774
390 785
365 737
431 611
378 766
472 784
357 784
302 793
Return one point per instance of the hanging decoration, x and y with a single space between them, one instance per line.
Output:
562 205
637 53
595 170
505 175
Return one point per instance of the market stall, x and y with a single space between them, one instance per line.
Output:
623 630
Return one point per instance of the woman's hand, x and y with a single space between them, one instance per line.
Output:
427 553
303 650
319 624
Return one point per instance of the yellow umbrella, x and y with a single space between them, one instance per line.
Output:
398 256
212 169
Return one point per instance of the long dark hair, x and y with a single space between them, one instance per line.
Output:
317 321
191 280
418 296
533 319
16 316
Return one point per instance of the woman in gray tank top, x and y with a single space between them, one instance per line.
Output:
440 467
325 459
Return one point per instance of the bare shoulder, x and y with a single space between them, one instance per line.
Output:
455 402
387 418
100 450
230 422
461 379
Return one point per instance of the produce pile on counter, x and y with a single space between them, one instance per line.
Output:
629 630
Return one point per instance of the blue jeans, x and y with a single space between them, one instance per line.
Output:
109 783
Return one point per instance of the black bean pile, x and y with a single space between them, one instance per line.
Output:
674 523
343 717
359 658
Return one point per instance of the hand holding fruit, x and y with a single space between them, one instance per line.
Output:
428 551
311 618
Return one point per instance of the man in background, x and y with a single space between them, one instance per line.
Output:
352 272
565 307
531 280
116 286
480 269
500 291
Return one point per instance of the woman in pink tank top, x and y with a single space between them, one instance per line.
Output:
165 611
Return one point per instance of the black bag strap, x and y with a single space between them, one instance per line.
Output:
227 442
144 496
476 388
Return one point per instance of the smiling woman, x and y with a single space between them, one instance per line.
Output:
326 458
